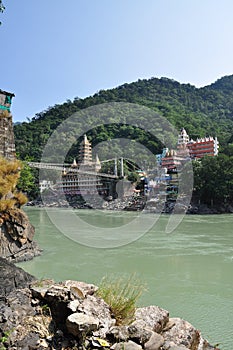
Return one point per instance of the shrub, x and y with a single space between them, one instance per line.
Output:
121 294
10 198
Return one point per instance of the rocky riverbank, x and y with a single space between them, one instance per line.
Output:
132 203
70 315
16 237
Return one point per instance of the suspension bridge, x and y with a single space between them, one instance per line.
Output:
68 167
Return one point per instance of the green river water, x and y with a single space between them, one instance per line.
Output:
188 272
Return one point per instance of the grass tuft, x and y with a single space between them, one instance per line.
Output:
121 294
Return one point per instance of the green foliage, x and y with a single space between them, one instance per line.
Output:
213 179
4 339
133 177
45 309
28 181
121 295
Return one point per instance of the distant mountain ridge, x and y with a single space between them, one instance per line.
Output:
202 111
224 84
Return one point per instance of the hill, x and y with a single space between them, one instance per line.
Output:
202 111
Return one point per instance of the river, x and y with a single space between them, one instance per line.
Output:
188 272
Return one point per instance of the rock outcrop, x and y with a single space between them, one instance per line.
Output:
12 279
15 300
70 315
16 237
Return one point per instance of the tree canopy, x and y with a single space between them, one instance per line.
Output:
213 179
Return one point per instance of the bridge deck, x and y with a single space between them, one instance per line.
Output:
67 167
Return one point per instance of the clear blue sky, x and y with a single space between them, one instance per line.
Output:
53 50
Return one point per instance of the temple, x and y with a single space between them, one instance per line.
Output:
188 148
88 182
207 146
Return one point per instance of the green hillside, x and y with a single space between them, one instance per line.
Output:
202 111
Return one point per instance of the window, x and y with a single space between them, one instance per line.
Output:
8 99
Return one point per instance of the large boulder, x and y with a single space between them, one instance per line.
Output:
152 317
16 237
96 307
80 324
182 334
155 342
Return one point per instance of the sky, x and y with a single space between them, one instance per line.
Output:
54 50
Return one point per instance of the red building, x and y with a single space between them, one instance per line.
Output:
207 146
186 148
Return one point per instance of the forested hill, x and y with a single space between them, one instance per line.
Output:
202 111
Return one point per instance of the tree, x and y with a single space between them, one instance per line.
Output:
213 179
28 181
133 177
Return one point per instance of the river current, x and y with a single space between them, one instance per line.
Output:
188 272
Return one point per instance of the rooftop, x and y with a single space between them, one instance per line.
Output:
6 93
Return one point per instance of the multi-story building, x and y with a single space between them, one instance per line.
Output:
188 148
201 147
45 185
207 146
173 159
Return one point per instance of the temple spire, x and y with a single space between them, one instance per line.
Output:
85 152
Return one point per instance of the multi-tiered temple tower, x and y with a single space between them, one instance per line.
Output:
82 183
85 153
7 141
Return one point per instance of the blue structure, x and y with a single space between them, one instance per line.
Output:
5 100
